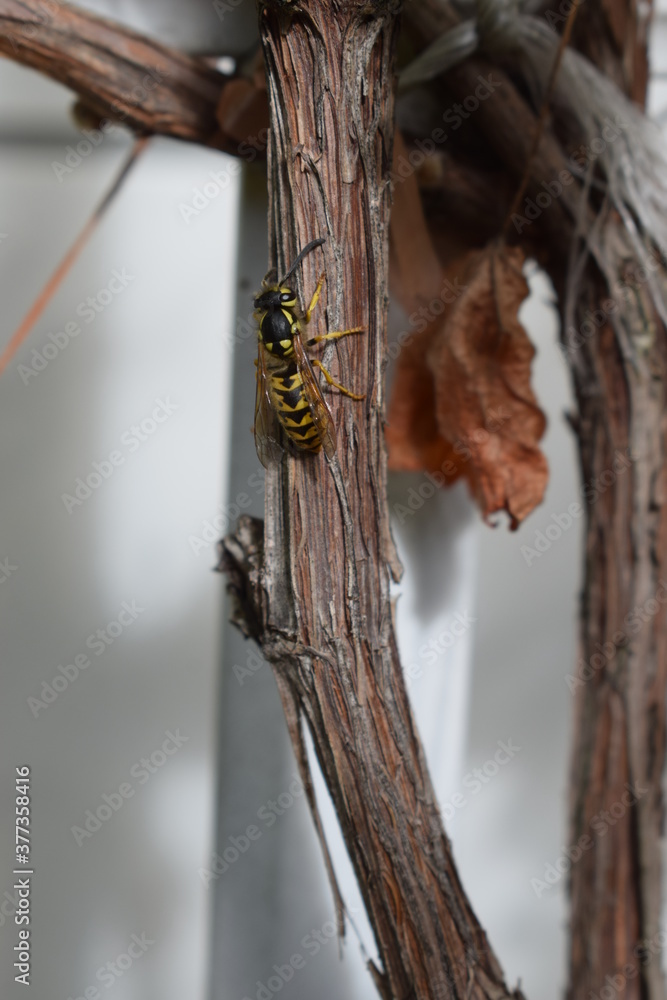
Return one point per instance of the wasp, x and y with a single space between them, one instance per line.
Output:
288 395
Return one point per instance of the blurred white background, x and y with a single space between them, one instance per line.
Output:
177 667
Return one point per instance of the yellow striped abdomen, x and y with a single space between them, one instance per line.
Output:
291 404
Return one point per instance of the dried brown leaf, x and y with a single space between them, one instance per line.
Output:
462 402
412 434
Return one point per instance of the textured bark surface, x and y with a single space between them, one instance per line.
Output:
619 731
613 34
619 371
619 680
115 71
314 588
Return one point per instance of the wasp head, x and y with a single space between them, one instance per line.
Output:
274 298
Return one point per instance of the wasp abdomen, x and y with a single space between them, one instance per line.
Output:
293 408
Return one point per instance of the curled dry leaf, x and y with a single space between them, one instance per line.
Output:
462 404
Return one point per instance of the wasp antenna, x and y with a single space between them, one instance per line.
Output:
306 250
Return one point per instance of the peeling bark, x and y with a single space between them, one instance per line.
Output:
620 676
619 733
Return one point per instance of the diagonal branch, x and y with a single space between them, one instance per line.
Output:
116 72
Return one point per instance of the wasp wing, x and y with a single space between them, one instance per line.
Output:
267 427
319 410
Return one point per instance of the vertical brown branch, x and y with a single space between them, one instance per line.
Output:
618 357
619 680
621 675
315 591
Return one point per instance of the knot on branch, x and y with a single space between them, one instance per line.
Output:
241 557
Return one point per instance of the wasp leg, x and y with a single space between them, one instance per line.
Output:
332 381
314 300
334 335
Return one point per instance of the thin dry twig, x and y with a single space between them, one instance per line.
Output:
70 258
542 119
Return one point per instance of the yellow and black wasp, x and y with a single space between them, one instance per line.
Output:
288 395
